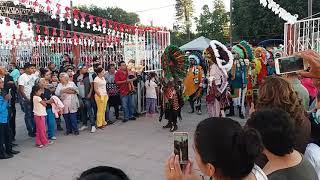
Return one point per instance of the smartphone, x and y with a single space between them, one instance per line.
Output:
181 146
289 64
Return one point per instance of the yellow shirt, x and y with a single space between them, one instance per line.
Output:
194 74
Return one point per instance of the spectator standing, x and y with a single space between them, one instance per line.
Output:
67 91
46 97
39 110
26 82
277 130
14 71
151 94
85 85
121 79
10 86
113 92
6 151
300 89
223 150
101 97
308 84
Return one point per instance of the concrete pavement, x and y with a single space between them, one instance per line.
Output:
140 148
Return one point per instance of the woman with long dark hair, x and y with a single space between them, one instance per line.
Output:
223 150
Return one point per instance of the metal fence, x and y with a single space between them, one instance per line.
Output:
302 35
148 48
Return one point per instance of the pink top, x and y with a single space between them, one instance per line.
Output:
308 84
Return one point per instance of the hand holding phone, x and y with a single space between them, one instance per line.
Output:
290 64
181 146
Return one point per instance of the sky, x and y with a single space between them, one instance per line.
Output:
160 17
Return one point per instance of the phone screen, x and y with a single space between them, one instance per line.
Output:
181 146
290 64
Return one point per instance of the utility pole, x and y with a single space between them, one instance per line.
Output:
230 30
71 13
310 8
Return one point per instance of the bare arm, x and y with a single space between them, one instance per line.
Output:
44 103
96 89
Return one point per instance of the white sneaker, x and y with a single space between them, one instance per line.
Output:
54 138
40 146
83 128
93 129
50 142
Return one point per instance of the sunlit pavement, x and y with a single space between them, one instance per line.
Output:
140 148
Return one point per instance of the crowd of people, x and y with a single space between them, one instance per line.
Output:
279 141
82 96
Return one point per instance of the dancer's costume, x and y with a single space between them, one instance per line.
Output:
175 65
193 83
260 62
220 61
241 77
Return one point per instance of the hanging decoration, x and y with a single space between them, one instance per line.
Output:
283 14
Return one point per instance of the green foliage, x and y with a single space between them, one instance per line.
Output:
184 14
112 13
252 21
213 24
180 38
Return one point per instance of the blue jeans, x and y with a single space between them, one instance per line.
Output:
28 117
134 103
127 106
51 123
87 112
71 122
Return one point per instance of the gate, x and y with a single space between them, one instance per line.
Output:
303 35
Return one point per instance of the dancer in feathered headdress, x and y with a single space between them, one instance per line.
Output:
260 62
239 77
193 83
220 61
174 64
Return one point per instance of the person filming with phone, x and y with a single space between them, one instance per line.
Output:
223 150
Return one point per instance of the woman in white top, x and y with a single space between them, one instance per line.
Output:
101 97
223 150
67 91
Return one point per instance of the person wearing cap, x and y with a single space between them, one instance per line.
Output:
26 82
193 84
84 82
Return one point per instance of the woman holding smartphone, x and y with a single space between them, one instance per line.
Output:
223 150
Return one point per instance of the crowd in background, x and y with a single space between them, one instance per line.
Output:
82 96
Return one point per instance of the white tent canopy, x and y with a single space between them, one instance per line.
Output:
198 44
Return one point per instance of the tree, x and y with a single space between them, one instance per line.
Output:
212 24
184 13
112 13
252 21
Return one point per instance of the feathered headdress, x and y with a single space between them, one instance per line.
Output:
174 63
261 53
223 57
249 50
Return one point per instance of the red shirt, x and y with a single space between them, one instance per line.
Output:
123 88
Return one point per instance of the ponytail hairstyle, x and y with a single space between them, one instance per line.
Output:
223 143
34 90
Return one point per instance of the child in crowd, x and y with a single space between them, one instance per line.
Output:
151 94
39 110
52 86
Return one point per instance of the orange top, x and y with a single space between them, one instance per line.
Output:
193 80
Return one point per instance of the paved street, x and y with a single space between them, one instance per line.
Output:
139 147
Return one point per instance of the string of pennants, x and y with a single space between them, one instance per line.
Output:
82 19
